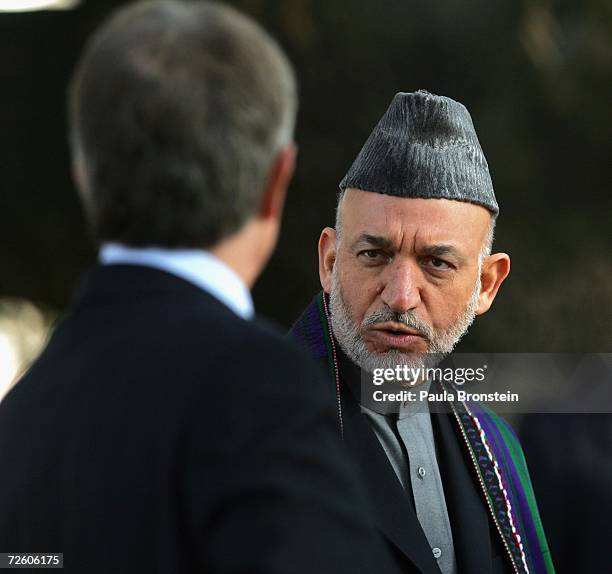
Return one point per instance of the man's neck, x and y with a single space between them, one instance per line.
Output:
196 266
245 252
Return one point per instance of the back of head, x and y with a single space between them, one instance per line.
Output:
177 111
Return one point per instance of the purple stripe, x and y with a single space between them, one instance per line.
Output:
315 330
518 500
309 331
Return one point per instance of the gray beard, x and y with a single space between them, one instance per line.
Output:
349 335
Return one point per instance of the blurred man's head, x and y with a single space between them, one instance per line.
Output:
409 264
181 121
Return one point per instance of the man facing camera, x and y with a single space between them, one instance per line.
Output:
162 430
404 273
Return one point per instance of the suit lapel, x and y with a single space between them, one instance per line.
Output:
393 510
468 516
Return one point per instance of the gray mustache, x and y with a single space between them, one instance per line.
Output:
408 319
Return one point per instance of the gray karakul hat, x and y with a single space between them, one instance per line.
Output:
424 146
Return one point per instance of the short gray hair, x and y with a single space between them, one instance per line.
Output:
177 112
487 246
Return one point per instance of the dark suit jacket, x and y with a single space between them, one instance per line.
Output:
159 432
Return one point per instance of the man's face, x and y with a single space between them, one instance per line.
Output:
405 278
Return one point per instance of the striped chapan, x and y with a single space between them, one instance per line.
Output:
491 446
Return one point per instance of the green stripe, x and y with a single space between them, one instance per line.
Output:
516 452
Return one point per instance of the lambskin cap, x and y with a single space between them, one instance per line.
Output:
424 146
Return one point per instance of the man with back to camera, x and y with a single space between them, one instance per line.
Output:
404 273
162 430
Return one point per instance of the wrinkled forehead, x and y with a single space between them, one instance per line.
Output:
412 220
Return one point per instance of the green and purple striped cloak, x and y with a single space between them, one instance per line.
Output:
492 447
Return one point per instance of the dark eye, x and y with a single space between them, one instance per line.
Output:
438 264
372 256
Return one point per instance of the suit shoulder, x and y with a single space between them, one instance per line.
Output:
224 324
263 346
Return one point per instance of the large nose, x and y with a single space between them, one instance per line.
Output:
401 291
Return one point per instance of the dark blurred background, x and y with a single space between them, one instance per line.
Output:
536 76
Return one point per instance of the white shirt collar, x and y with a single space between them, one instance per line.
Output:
199 267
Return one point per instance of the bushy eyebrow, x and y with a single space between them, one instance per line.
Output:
378 241
435 250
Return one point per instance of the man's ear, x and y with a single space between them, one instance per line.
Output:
327 257
495 269
275 190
